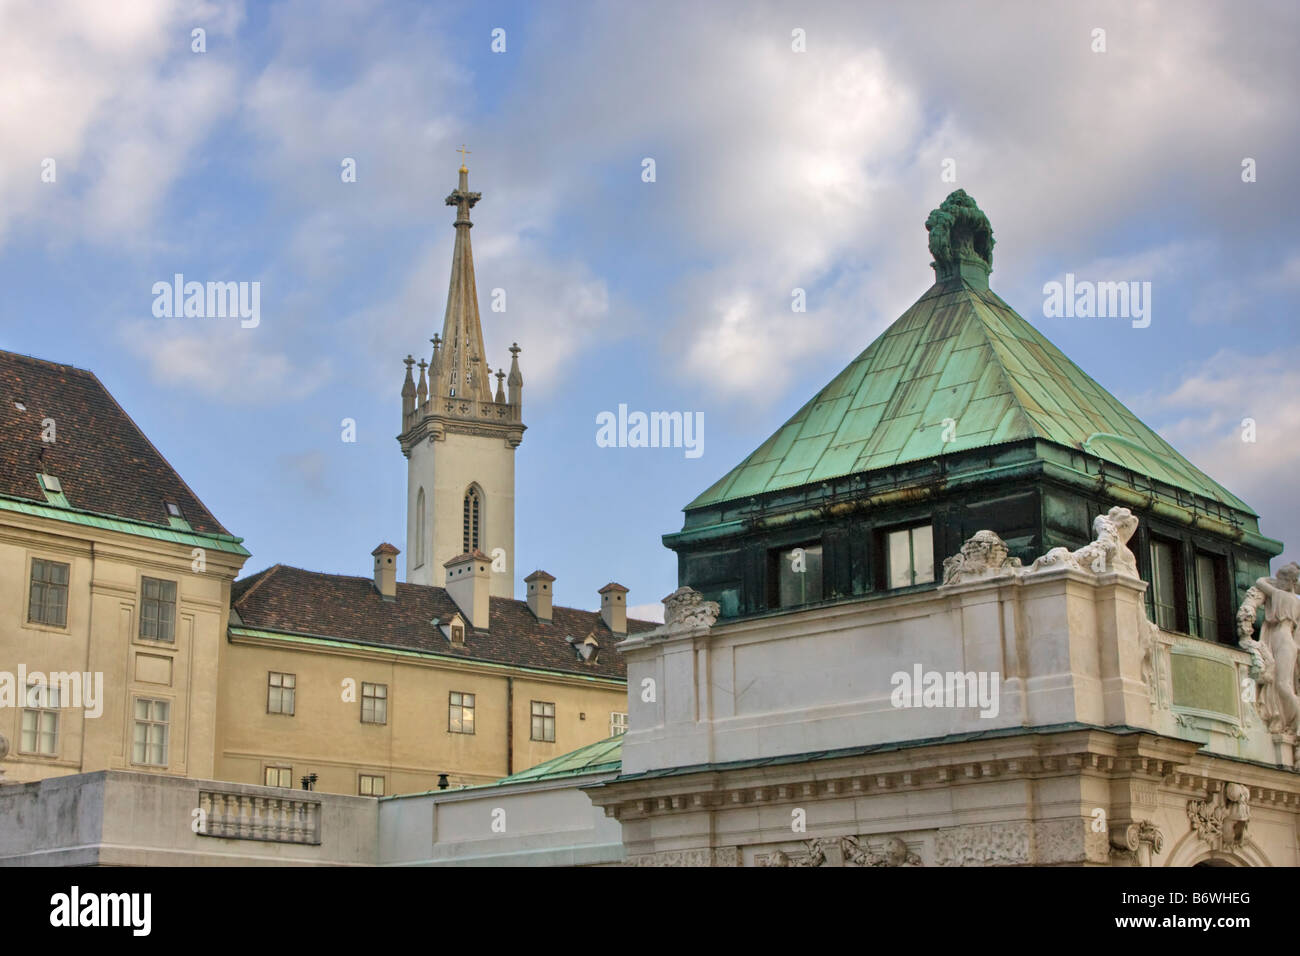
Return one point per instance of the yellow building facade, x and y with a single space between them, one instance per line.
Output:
115 578
419 738
115 587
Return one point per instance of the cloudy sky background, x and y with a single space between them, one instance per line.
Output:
775 170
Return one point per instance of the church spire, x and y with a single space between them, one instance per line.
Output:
459 373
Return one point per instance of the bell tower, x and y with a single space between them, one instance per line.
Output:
458 438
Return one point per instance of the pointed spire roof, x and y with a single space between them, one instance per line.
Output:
462 368
959 370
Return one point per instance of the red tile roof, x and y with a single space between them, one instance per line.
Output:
350 609
102 459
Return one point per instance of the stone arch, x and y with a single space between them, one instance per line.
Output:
1192 851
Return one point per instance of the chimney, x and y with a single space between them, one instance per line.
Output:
386 570
541 586
613 607
469 582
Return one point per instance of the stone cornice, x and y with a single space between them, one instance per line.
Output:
938 766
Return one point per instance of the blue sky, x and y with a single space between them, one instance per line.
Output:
775 170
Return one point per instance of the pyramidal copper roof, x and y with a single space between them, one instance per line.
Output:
959 370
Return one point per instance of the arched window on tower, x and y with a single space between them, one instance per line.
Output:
419 546
473 517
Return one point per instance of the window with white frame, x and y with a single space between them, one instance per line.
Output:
280 692
40 721
152 726
374 703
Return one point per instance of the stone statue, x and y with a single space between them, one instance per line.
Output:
984 555
1275 652
1108 551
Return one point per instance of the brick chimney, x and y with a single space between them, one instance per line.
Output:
541 587
613 607
386 570
469 583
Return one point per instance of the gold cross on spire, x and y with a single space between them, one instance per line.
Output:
464 151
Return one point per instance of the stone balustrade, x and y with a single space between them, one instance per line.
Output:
244 816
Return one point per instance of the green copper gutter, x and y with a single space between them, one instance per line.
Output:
1038 466
90 519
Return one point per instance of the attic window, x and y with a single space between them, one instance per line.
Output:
53 490
173 509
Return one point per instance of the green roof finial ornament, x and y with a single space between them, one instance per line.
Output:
961 240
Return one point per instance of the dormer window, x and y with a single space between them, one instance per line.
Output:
588 650
53 490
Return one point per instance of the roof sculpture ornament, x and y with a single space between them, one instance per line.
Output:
959 232
986 557
685 610
1273 655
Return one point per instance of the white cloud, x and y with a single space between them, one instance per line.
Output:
646 612
1203 417
219 359
113 94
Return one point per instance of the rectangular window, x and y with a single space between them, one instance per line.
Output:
49 593
1210 578
40 724
909 556
543 721
617 724
151 728
279 777
1165 581
280 693
371 786
460 719
799 576
157 609
374 703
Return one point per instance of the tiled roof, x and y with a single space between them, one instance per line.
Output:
958 355
347 608
103 461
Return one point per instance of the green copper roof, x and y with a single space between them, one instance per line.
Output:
961 357
603 755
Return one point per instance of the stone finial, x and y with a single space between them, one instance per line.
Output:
516 379
686 609
408 388
961 240
984 555
422 392
501 392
